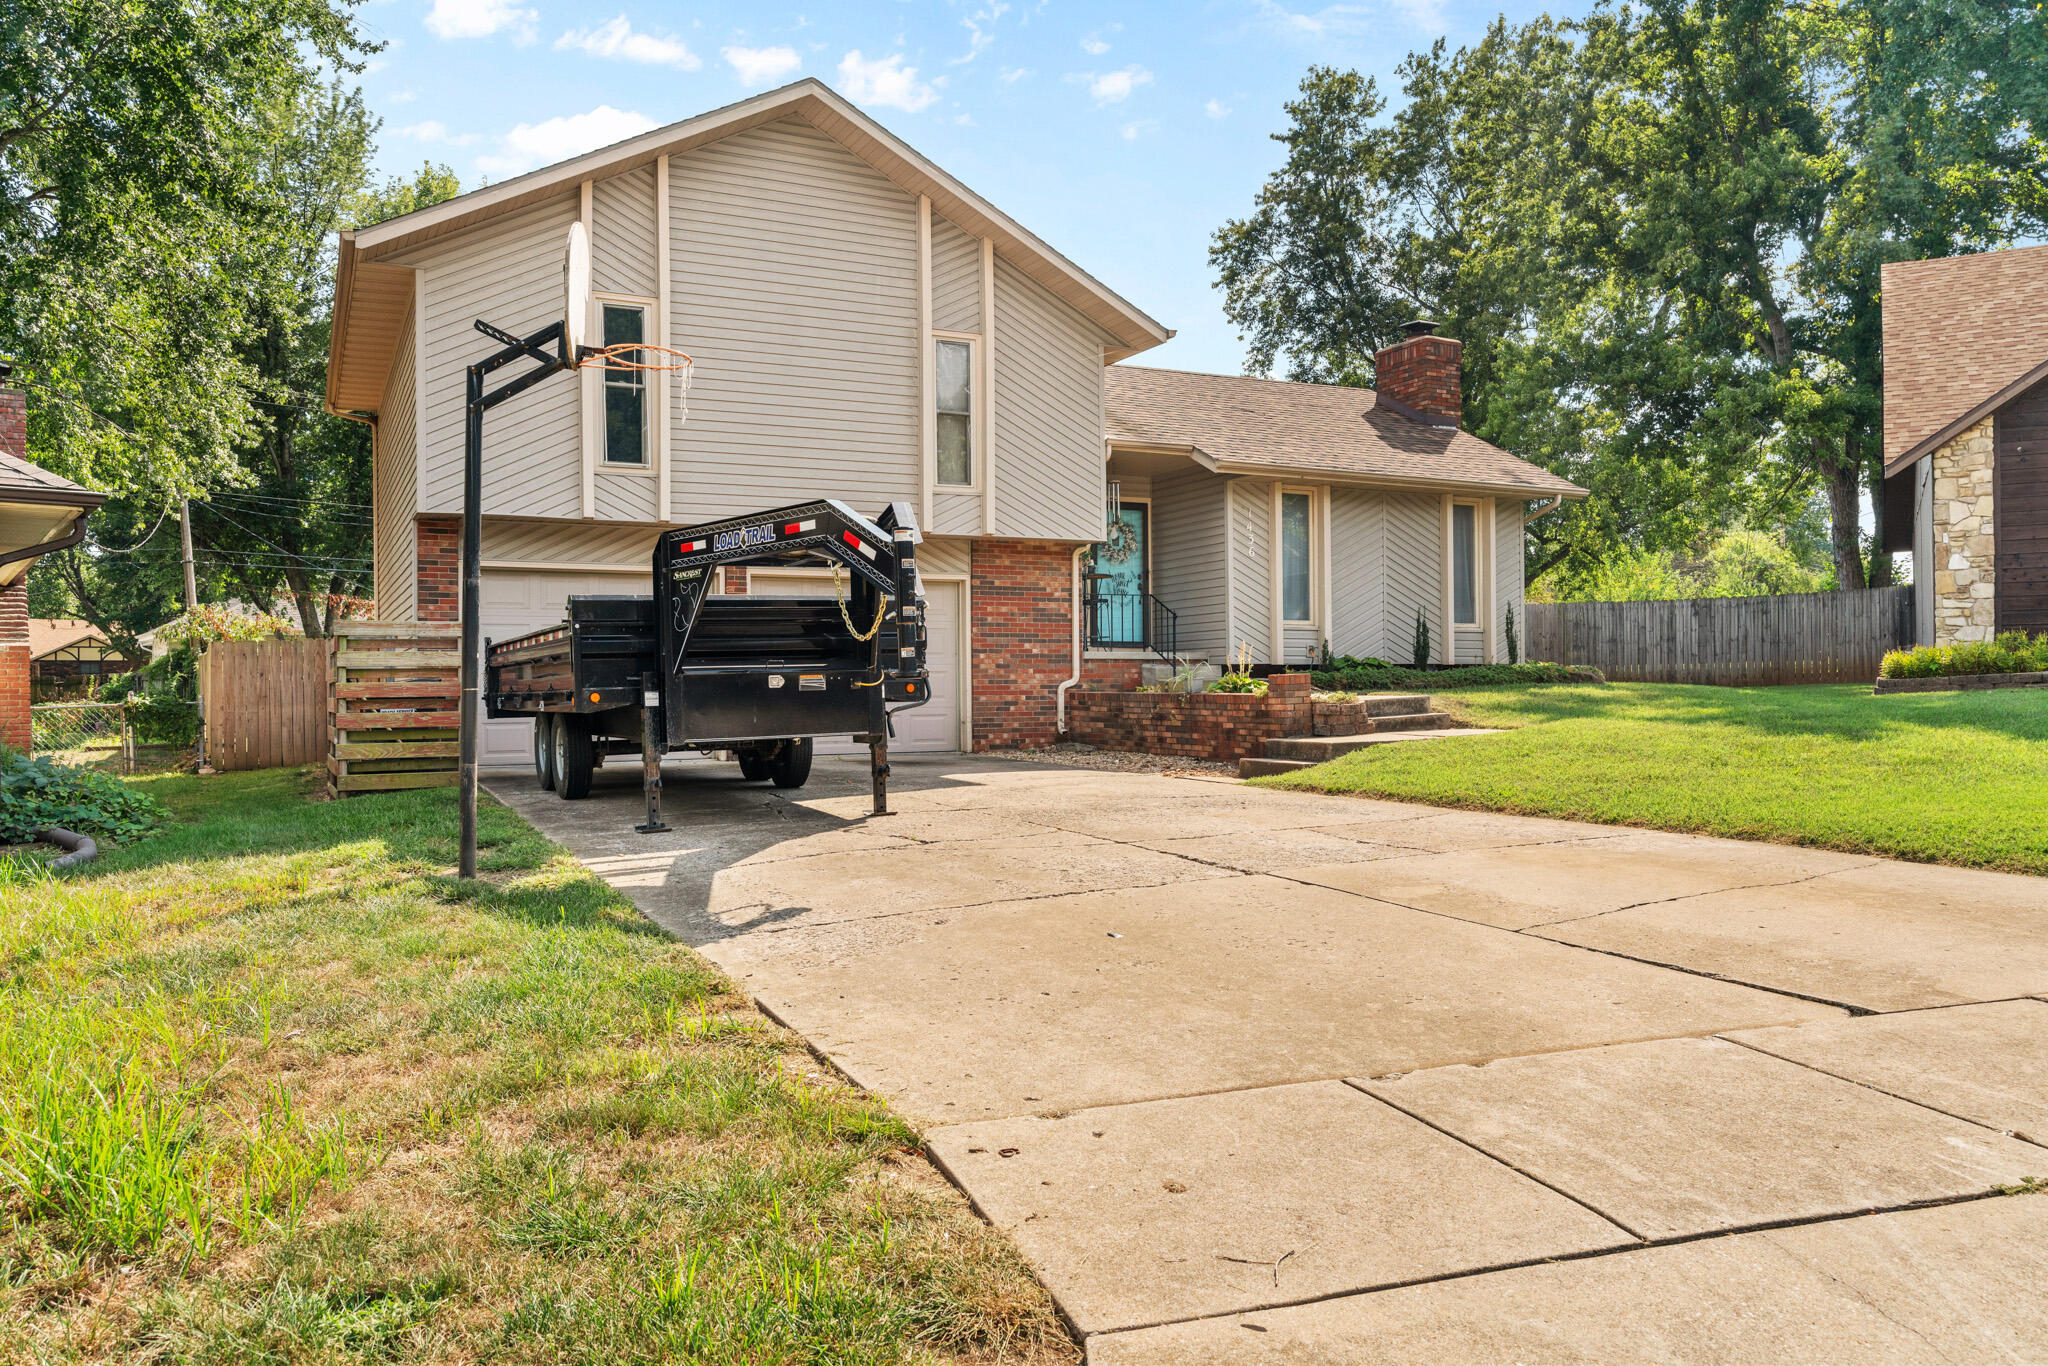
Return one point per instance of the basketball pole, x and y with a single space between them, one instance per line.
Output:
480 402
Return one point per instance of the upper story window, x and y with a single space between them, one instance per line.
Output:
1297 596
955 372
625 391
1465 563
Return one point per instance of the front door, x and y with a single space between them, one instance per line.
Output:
1120 574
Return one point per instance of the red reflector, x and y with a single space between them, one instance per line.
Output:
850 539
791 529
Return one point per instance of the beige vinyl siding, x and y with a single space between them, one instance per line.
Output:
1358 575
943 555
956 279
394 475
627 495
955 514
1471 647
795 287
1251 569
1414 573
509 273
1188 573
1301 643
1507 576
622 234
572 543
1048 418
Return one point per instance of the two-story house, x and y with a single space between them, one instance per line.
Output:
867 328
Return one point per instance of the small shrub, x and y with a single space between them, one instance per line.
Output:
1239 683
1514 644
1421 640
2011 653
161 718
1391 678
36 792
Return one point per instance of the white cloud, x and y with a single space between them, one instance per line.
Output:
761 65
885 82
401 97
1012 74
1113 87
979 26
1216 109
615 39
1349 20
540 144
1094 46
1131 130
965 120
481 19
433 130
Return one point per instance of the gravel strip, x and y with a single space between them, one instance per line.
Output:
1072 754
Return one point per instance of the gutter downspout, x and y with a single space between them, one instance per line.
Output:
1061 692
1544 511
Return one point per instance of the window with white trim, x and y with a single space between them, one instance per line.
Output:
625 391
953 366
1297 580
1465 564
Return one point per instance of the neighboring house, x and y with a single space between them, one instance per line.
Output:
39 512
1966 439
62 651
867 328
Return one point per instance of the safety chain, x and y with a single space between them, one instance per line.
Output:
881 606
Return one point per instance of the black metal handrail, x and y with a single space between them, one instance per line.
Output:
1131 621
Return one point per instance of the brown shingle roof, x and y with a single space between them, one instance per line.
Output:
1311 429
19 477
1959 332
54 633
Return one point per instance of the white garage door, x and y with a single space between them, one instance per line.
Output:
516 602
935 726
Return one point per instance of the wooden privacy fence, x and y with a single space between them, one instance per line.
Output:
395 701
1793 638
263 703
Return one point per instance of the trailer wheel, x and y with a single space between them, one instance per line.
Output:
544 751
753 765
575 758
791 766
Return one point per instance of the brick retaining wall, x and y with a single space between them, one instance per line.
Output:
1203 725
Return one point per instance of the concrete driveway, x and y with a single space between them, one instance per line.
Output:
1266 1076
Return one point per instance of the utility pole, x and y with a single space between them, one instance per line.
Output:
185 535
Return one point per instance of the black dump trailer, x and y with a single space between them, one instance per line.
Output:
757 675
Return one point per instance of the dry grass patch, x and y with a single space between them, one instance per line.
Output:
274 1088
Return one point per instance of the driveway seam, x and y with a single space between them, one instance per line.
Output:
1872 1086
1688 896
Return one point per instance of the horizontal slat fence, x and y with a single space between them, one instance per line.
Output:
264 703
1739 642
394 706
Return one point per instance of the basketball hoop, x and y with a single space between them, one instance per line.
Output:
575 290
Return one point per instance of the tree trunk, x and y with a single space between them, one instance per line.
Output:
1844 508
1880 558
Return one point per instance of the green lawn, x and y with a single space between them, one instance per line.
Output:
1935 777
275 1088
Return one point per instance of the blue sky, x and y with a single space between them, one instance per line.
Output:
1124 135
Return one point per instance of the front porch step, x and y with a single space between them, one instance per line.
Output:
1381 704
1428 720
1290 752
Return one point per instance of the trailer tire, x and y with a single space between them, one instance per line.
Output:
753 765
575 758
544 751
791 766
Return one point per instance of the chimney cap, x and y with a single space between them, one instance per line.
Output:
1421 327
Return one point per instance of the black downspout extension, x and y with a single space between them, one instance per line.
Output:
82 848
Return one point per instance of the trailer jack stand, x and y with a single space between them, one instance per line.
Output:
878 765
650 755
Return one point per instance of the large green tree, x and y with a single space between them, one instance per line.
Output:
1658 230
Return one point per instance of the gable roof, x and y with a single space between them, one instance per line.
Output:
1242 425
22 482
371 296
1963 336
52 633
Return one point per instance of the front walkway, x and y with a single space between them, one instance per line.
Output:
1269 1076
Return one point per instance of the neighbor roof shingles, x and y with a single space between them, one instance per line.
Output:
1957 331
1310 429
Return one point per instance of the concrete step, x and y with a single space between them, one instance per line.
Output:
1313 749
1428 720
1394 703
1259 768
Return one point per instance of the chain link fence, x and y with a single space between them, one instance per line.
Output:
105 734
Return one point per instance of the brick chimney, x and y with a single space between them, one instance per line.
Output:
13 417
1421 373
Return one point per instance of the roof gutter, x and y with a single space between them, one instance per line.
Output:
1311 473
1545 510
344 293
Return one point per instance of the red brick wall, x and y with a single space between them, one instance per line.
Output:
1207 725
1424 373
1111 675
735 579
440 570
14 664
1022 639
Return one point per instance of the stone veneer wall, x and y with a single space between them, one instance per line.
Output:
1964 569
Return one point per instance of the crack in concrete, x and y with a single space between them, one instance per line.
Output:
1688 896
